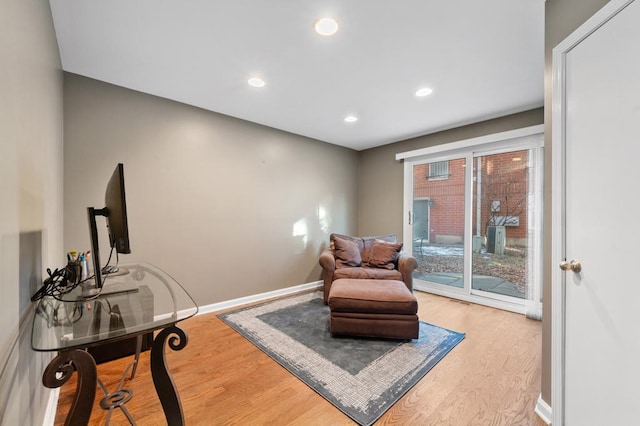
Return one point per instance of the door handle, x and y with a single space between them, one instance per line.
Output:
574 266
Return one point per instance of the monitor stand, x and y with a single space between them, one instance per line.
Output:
116 273
115 287
110 285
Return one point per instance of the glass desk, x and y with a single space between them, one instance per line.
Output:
78 322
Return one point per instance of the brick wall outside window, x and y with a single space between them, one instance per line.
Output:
503 178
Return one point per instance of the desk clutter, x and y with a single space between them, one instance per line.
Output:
77 272
61 281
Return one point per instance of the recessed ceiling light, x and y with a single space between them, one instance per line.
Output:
425 91
326 26
351 119
256 82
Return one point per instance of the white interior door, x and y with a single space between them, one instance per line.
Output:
601 112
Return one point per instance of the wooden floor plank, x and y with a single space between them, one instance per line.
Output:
491 378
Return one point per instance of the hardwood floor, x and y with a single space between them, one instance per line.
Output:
491 378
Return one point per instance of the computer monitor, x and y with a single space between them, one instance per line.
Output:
115 212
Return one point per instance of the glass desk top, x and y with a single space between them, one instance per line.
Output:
83 321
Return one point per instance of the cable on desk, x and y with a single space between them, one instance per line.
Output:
60 281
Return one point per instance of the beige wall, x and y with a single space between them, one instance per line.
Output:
30 196
562 17
381 176
229 208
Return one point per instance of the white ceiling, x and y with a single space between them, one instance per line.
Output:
483 59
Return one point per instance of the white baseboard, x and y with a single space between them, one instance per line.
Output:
543 410
257 297
518 308
52 407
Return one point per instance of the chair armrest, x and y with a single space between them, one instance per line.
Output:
328 261
406 262
328 264
406 265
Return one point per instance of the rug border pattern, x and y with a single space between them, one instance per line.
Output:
360 396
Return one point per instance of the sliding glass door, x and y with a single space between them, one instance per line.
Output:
473 219
438 221
503 207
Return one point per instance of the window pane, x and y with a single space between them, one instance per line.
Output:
501 246
438 221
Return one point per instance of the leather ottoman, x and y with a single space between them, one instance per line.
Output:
373 308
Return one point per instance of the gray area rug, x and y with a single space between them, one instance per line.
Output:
361 377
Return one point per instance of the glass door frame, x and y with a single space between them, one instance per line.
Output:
531 138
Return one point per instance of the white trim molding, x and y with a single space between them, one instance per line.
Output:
492 301
543 410
52 408
228 304
558 190
474 142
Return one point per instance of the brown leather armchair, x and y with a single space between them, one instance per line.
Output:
357 258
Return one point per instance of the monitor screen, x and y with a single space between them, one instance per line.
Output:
115 212
115 203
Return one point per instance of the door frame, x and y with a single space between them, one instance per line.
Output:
559 104
518 139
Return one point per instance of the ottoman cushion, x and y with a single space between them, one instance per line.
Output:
372 297
367 273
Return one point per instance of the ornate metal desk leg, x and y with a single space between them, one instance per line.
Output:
162 380
58 373
137 357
